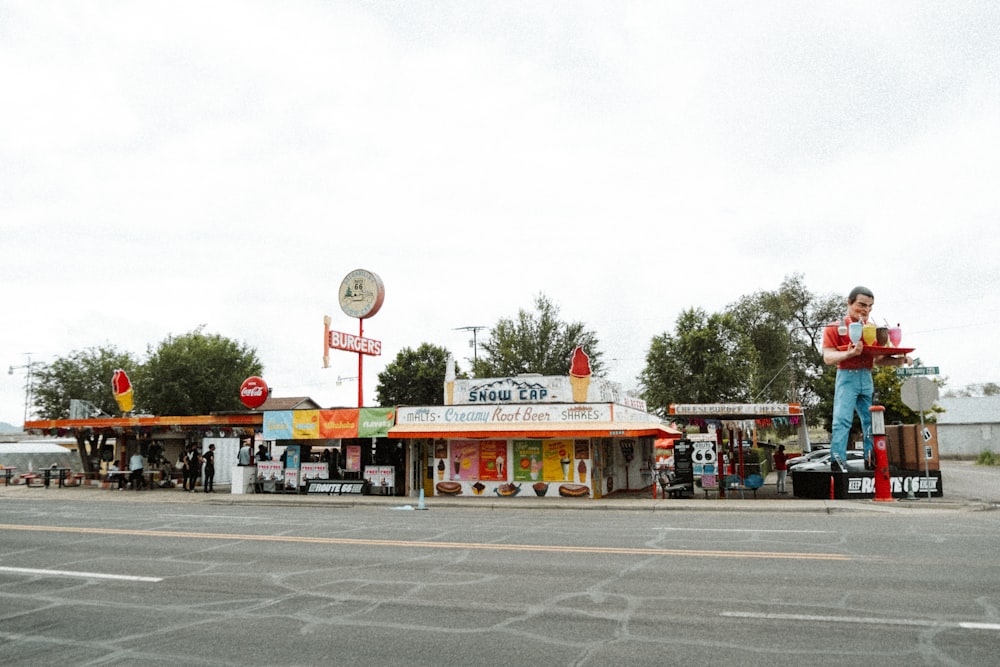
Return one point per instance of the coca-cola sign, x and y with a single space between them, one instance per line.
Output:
253 392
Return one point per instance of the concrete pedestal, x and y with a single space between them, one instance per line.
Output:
244 477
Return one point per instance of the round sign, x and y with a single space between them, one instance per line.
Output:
361 294
253 392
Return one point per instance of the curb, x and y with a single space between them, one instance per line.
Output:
223 497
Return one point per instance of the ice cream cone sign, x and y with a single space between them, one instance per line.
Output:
579 375
449 381
122 389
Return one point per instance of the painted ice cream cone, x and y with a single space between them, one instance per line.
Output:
582 471
579 375
122 389
449 381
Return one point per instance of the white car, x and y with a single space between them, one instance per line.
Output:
809 457
855 462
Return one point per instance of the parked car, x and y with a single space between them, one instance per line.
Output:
855 462
808 457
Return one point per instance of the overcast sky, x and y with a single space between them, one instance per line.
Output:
168 165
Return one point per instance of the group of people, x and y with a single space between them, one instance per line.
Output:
136 477
192 462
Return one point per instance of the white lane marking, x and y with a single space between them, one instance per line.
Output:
83 575
739 530
913 622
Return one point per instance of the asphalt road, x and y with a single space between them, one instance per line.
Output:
119 582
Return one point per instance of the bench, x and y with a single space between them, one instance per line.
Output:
676 490
671 487
750 483
33 480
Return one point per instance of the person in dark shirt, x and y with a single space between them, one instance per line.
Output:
209 457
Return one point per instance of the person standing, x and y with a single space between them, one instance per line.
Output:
854 388
209 457
193 468
135 466
781 468
243 457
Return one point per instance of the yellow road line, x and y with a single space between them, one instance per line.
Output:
621 551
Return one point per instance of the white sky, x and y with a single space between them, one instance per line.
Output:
169 164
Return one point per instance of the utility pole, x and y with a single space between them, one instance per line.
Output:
475 343
28 384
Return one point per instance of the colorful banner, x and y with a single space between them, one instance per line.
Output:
277 425
493 460
375 422
328 424
338 423
305 424
464 459
528 460
558 460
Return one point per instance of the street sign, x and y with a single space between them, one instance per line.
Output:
907 371
919 394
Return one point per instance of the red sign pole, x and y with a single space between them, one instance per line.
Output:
361 376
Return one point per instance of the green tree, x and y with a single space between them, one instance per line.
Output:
537 342
707 360
785 327
82 375
195 374
415 377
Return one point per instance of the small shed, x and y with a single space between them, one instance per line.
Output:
34 455
968 426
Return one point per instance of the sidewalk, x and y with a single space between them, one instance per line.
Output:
767 500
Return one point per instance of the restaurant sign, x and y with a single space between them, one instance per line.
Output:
338 487
538 389
535 413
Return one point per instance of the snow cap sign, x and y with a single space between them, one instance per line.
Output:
253 392
579 375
